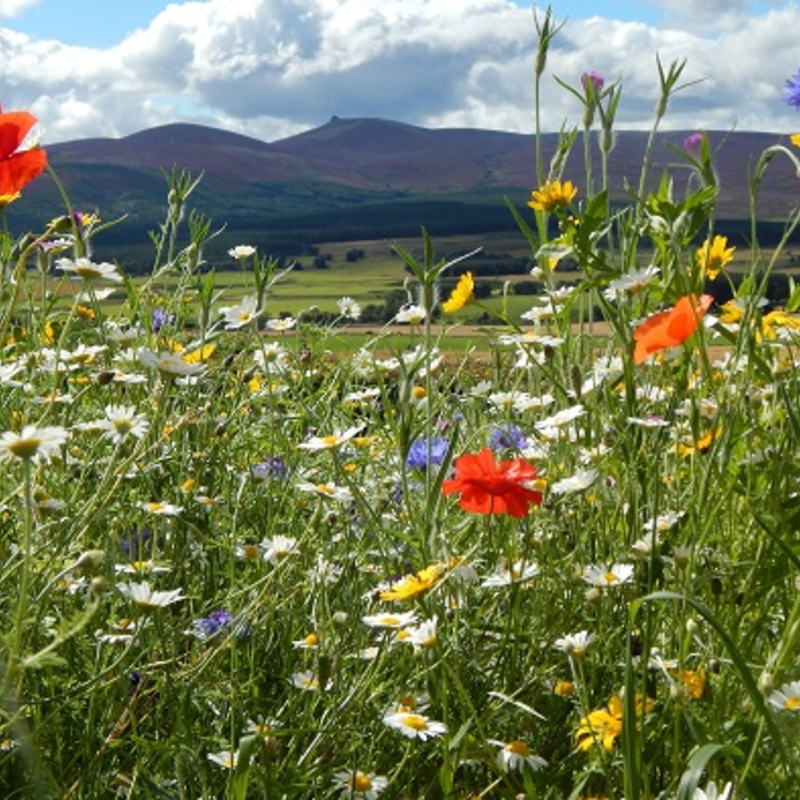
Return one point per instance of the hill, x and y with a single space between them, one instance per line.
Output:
356 179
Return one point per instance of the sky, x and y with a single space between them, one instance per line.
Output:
273 68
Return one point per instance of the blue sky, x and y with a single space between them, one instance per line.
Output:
272 68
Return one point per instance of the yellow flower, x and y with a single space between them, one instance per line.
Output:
795 139
462 295
414 585
605 724
199 356
713 256
777 319
552 195
689 447
84 312
694 681
732 312
564 688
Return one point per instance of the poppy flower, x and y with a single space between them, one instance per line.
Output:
671 327
487 487
17 169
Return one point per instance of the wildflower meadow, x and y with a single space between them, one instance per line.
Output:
237 565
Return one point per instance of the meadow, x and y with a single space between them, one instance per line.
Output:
246 556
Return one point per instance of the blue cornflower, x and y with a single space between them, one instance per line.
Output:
791 94
423 452
133 545
161 318
206 627
271 468
507 437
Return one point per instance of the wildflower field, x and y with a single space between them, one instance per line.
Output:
237 566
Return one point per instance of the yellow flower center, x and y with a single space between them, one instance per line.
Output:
518 747
25 448
792 703
360 782
311 640
415 721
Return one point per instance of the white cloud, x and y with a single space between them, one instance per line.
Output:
269 68
13 8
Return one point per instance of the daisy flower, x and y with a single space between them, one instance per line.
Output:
575 483
224 758
391 621
242 252
162 509
575 644
787 698
411 315
123 421
238 316
87 270
32 443
359 784
145 597
507 573
307 681
515 755
711 792
331 441
168 363
279 548
348 308
608 576
414 726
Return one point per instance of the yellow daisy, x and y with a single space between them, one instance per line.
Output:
713 256
462 295
552 195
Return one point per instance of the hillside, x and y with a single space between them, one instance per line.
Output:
358 178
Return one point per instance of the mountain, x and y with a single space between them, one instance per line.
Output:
364 178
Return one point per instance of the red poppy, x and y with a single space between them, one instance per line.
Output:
18 169
671 327
490 488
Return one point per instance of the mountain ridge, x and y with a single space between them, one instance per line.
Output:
369 177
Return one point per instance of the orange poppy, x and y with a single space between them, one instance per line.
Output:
671 327
18 169
487 487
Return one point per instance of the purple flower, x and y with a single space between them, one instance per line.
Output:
133 545
508 437
422 452
271 468
206 627
791 94
160 319
693 145
595 78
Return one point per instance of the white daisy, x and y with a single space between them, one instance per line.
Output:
238 316
359 784
145 597
242 252
32 443
515 755
87 270
608 576
123 421
787 698
414 726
